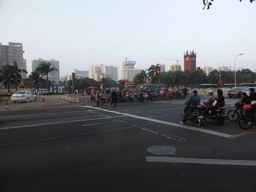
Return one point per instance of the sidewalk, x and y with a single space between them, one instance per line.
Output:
49 102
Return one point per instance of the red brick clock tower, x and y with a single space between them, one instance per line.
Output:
190 61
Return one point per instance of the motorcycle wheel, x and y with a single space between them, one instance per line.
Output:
198 122
233 115
246 122
220 120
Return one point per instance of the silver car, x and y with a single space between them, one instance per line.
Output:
23 96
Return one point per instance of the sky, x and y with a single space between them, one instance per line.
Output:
82 33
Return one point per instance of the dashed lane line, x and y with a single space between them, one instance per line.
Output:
60 122
165 122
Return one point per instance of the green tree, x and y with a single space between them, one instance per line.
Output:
44 69
208 3
105 82
35 77
10 74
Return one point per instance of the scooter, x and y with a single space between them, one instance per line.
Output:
248 115
195 116
213 113
234 114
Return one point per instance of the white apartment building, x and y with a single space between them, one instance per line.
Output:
241 69
81 74
54 75
66 78
13 52
223 68
208 70
128 71
97 72
175 67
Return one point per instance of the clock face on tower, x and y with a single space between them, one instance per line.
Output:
187 58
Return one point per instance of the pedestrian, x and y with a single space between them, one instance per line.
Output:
113 97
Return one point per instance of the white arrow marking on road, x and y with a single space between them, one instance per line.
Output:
200 161
176 125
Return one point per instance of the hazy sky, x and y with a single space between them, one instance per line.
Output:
81 33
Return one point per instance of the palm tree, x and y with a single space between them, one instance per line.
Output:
35 77
44 69
10 74
105 82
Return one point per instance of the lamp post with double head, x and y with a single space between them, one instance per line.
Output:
22 69
235 65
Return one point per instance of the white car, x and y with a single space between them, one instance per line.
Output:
23 96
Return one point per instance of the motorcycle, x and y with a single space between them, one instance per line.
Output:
195 116
234 114
216 114
248 114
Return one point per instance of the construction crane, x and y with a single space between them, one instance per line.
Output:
174 60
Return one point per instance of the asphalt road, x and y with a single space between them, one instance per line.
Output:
130 147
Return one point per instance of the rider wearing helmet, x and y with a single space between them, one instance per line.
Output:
210 99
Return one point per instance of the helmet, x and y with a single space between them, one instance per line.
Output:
194 91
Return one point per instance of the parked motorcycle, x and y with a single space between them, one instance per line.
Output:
248 114
234 114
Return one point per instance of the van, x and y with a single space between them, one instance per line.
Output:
42 91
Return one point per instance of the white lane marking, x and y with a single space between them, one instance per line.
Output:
55 123
92 124
45 114
176 125
200 161
178 137
63 136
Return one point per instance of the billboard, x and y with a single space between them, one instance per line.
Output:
130 62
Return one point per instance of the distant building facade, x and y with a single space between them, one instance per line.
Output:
97 72
128 71
175 67
54 75
13 52
223 68
81 74
208 70
162 67
190 61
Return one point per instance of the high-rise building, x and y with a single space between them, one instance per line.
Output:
128 71
54 75
162 67
175 67
223 68
13 53
81 74
207 70
190 61
97 72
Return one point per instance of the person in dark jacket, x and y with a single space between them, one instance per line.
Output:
220 99
252 96
114 97
245 99
192 103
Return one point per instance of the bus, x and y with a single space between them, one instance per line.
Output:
206 86
151 86
248 84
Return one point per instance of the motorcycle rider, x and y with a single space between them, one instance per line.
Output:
252 96
191 103
210 99
245 99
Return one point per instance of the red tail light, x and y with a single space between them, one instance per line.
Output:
228 91
237 91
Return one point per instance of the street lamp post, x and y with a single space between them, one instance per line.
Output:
22 69
235 66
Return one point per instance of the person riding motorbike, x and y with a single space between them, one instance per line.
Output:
191 103
210 99
252 96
